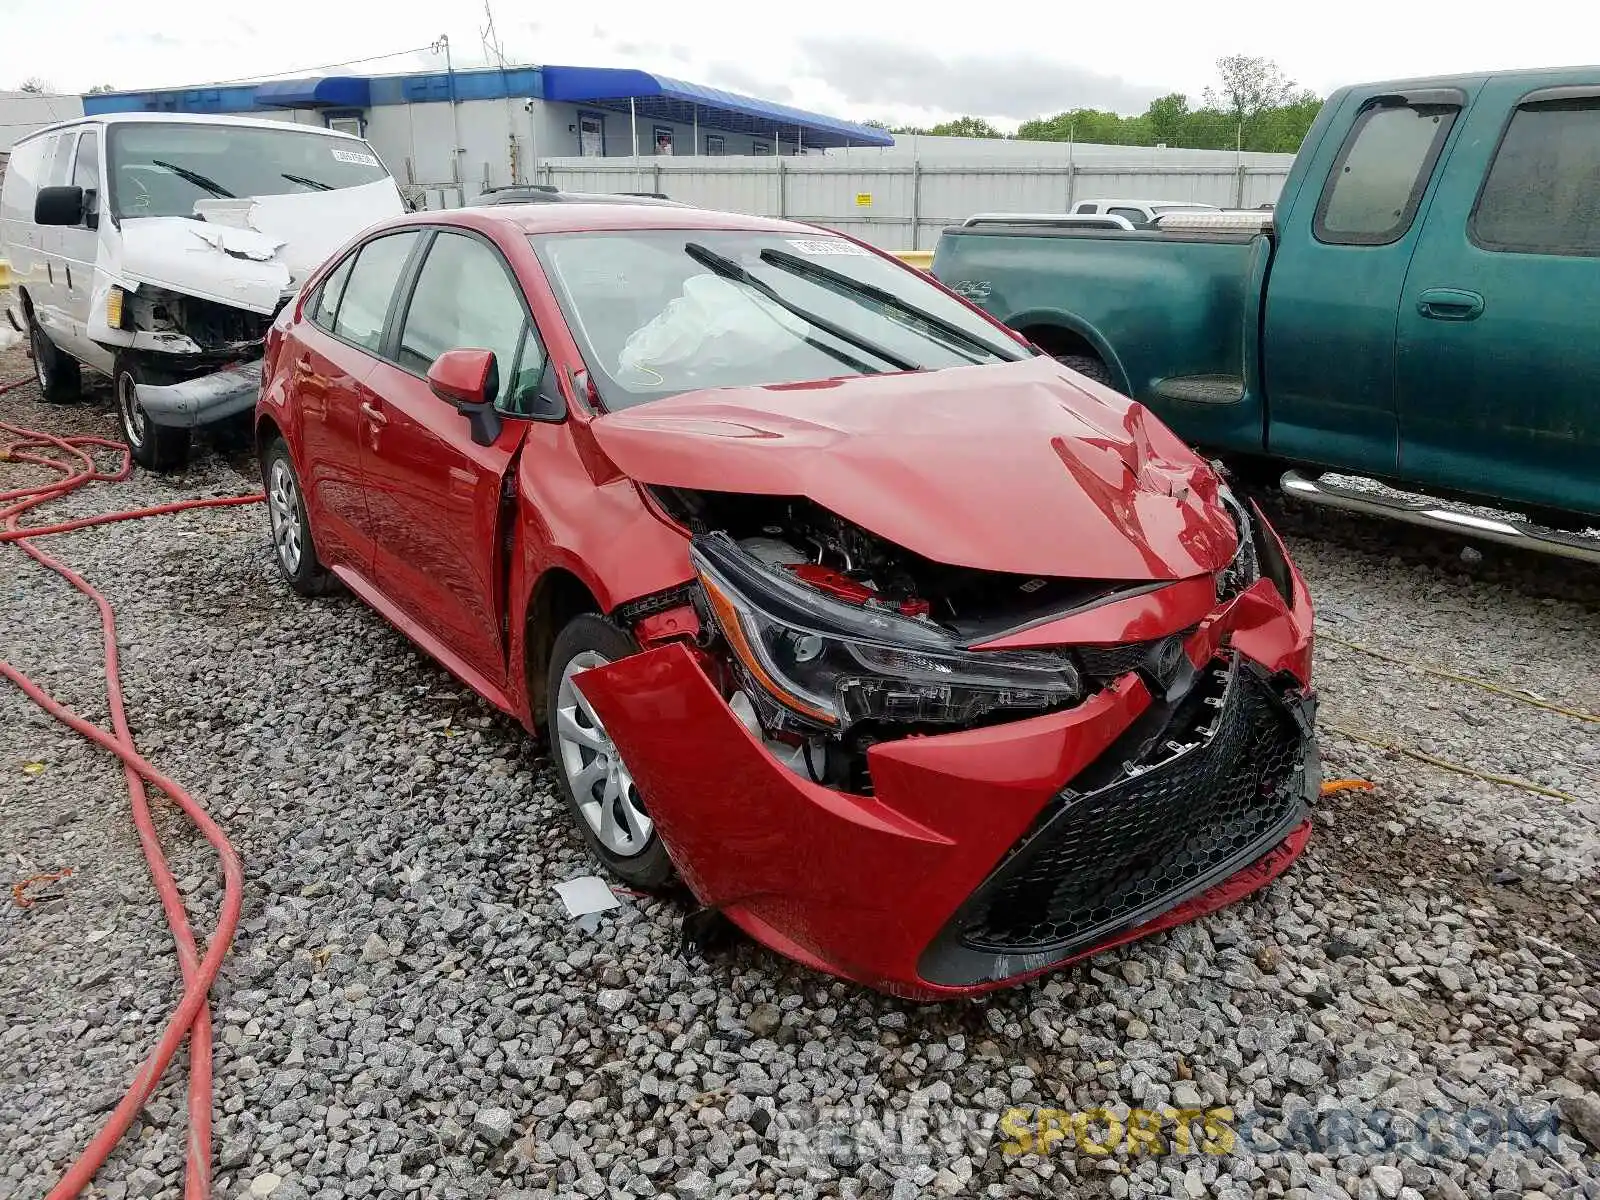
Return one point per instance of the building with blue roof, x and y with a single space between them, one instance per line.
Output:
453 135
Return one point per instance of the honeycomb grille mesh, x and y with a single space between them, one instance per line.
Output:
1120 854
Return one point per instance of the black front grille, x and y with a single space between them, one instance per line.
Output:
1108 662
1223 784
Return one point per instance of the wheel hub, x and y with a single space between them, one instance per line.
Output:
134 422
600 781
283 509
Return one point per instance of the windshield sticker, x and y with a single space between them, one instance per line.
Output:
355 156
820 246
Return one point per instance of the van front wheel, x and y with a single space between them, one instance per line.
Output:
154 447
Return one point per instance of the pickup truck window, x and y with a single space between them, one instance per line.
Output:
1376 183
1542 193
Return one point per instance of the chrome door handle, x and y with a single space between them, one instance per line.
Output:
374 413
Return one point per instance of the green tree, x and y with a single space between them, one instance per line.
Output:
100 89
36 86
966 127
1168 118
1249 88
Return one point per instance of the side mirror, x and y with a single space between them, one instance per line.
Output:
58 206
469 380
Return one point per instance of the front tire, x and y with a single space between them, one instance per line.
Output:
59 377
293 549
154 447
594 781
1088 366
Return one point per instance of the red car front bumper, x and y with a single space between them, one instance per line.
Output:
987 856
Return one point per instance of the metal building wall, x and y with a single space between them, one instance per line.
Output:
900 204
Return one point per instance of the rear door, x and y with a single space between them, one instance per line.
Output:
438 499
333 352
1329 335
1499 330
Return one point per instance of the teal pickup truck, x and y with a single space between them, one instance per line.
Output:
1414 329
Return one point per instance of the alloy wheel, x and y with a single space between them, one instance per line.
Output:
600 782
283 508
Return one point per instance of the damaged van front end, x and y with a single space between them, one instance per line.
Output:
190 299
970 699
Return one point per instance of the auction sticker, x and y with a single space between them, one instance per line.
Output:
355 156
817 246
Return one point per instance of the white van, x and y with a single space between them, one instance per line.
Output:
156 248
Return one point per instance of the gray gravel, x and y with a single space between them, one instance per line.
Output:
409 1012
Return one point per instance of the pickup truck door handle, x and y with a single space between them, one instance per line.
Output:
1450 304
374 413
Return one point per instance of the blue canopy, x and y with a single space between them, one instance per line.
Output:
327 91
657 97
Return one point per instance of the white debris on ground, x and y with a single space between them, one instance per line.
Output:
409 1011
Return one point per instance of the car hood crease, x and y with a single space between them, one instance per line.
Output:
1019 467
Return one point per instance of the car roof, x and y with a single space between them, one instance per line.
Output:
581 218
165 118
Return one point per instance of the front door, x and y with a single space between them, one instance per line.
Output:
1499 339
329 364
440 510
1329 337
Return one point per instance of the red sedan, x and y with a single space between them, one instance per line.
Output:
925 660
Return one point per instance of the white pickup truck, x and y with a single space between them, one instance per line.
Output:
156 249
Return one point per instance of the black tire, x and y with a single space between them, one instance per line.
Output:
1087 365
154 447
648 865
293 548
59 376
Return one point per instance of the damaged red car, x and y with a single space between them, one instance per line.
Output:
921 658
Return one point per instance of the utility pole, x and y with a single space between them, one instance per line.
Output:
443 44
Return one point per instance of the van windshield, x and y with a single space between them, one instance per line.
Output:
161 169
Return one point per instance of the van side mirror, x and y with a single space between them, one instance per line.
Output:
58 206
469 381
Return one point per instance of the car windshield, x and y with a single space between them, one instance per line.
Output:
162 169
662 311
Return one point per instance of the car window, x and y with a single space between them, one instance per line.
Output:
325 305
1376 184
1133 215
61 163
364 305
1542 194
86 170
465 298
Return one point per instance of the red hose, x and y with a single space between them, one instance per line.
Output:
193 1016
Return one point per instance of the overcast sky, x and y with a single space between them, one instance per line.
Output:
901 63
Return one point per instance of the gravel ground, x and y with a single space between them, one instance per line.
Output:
408 1011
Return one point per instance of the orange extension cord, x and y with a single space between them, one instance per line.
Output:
74 461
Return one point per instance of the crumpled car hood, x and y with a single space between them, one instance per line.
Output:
249 252
1019 467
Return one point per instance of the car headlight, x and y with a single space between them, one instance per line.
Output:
823 663
1245 568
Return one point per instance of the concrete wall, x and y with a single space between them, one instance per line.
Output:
23 112
902 205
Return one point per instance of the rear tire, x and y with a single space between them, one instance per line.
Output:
589 770
293 549
154 447
59 377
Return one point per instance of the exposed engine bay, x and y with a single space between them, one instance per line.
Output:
215 330
843 560
833 639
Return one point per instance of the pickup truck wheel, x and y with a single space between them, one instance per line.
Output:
59 376
292 546
154 447
1087 365
593 779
